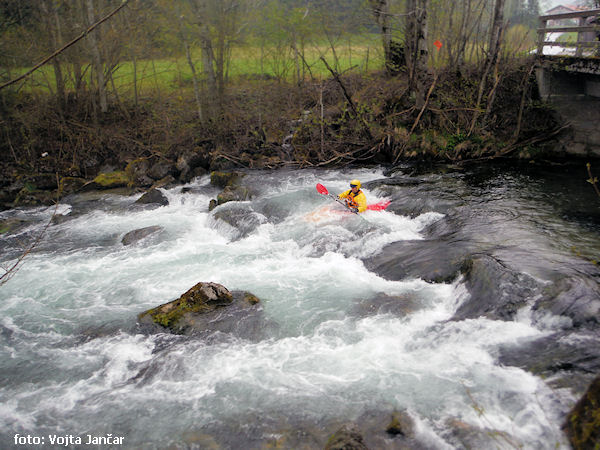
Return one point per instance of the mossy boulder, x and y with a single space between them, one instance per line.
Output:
210 308
110 180
583 422
202 298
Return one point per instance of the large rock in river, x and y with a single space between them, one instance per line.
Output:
137 235
209 307
153 197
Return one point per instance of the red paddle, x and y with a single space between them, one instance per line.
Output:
323 190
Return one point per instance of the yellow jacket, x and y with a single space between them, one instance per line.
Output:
358 200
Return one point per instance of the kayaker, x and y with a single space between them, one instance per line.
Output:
354 197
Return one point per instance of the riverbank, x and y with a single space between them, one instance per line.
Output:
50 150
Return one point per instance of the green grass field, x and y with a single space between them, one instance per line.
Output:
246 62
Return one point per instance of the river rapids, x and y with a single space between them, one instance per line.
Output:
359 327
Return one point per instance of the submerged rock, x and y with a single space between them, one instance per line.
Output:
497 292
583 422
464 435
239 216
137 235
575 297
562 360
435 260
382 303
208 308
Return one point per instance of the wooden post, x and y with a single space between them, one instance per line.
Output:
541 37
580 37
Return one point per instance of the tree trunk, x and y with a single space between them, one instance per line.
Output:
194 79
208 59
416 48
97 58
58 40
492 56
380 9
496 33
51 22
296 58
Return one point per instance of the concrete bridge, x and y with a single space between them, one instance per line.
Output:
568 76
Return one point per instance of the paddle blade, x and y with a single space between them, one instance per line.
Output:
322 189
379 206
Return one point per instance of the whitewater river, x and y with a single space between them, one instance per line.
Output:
355 328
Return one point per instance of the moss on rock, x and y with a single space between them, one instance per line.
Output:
251 298
110 180
583 422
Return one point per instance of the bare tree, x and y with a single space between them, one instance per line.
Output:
97 58
52 21
381 11
416 47
493 52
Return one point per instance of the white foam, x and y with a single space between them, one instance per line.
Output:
323 364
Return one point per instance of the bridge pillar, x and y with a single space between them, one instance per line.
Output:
572 87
